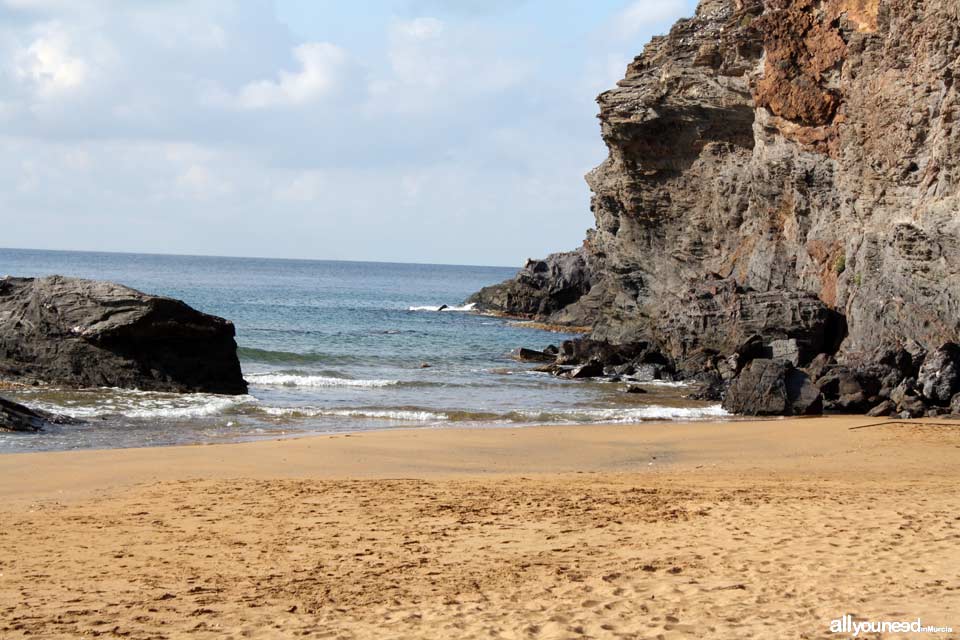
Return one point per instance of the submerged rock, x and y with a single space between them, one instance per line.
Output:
85 333
593 369
773 388
532 355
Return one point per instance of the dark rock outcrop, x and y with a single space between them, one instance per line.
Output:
592 369
939 377
17 417
84 333
532 355
907 399
885 408
787 169
772 388
549 290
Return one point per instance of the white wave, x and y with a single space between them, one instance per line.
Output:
437 307
137 406
294 380
660 383
653 412
385 414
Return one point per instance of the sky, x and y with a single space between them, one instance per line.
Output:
438 131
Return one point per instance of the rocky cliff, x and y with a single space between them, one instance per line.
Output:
786 168
84 333
790 161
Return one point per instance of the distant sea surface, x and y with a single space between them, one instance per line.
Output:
331 347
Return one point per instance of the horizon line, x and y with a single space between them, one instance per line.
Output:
201 255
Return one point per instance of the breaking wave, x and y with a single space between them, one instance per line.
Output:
297 380
144 405
571 416
403 415
443 307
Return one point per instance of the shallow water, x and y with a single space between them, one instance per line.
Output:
330 347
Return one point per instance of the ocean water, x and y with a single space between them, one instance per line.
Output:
331 347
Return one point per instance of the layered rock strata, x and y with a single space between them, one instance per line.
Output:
785 169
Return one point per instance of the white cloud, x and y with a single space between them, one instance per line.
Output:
181 126
433 67
38 5
420 28
49 65
321 65
642 14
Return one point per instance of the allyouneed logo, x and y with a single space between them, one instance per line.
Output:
847 624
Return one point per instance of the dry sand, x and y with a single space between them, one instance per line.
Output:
743 530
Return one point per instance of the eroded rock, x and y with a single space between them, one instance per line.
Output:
772 388
84 333
939 377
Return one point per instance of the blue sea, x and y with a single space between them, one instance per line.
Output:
331 347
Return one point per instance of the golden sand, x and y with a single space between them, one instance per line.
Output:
738 530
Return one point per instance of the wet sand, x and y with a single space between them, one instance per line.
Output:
736 530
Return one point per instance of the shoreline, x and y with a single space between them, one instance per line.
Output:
676 530
763 445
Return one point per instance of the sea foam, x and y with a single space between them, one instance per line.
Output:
402 415
297 380
627 415
436 307
141 406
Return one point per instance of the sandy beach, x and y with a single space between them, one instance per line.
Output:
748 529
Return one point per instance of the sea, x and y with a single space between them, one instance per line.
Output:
332 347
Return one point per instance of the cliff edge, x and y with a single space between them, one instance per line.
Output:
785 169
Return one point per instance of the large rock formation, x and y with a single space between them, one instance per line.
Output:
553 290
83 333
805 153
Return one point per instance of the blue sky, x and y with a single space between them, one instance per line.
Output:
405 130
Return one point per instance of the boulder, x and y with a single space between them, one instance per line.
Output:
531 355
885 408
907 397
17 417
773 388
635 389
855 389
955 405
939 377
593 369
83 333
820 366
552 368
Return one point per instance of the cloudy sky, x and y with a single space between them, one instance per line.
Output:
451 131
